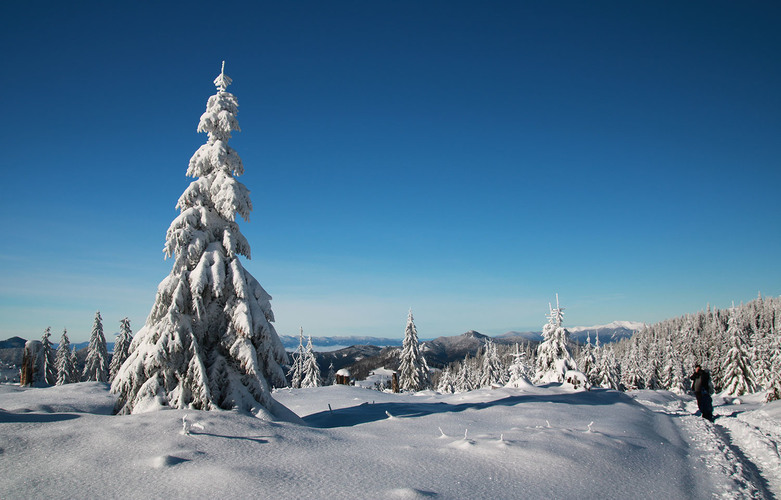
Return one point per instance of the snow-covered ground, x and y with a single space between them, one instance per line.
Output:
536 442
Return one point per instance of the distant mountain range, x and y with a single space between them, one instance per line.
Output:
612 332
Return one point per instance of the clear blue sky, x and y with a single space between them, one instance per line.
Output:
465 159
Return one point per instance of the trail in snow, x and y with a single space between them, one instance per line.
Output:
740 451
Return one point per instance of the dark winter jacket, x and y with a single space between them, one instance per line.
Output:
701 382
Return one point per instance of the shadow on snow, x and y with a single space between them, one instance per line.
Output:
366 412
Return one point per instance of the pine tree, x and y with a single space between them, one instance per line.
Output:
413 369
96 364
46 372
739 377
465 379
608 375
66 362
331 378
587 361
493 371
209 341
296 372
446 383
672 373
774 383
311 370
121 348
519 370
554 358
631 375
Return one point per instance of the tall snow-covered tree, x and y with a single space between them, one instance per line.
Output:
296 372
96 364
774 383
632 373
209 341
739 377
311 370
673 378
413 369
554 358
66 361
46 371
587 361
464 381
493 371
121 348
608 376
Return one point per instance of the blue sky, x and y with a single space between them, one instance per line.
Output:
465 159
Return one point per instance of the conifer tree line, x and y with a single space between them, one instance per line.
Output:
60 366
740 346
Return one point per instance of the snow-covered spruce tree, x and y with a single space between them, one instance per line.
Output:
121 348
587 360
519 370
96 364
296 371
46 371
554 358
774 384
608 376
330 379
672 372
209 341
446 383
493 371
739 377
311 370
464 377
413 369
65 361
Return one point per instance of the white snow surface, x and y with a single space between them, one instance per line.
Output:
533 442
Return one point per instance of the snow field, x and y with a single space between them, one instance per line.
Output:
540 442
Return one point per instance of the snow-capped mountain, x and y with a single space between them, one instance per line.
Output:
612 332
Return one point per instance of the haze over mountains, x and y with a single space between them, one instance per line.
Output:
611 332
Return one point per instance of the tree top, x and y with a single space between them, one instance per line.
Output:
222 81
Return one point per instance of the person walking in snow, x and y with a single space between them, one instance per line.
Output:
701 385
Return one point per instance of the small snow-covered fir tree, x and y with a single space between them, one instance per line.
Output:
672 372
587 360
209 341
446 383
554 358
739 377
519 369
631 374
296 371
330 379
608 376
493 371
121 348
96 364
465 380
46 371
413 369
66 361
311 370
